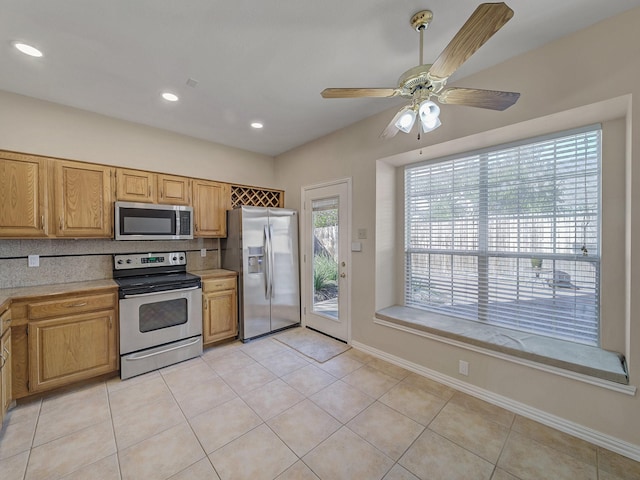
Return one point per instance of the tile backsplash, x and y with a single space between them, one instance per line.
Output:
63 261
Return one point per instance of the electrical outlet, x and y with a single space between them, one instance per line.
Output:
463 368
203 252
34 260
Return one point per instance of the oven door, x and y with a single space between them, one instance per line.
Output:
151 319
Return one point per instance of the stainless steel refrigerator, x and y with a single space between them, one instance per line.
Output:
262 246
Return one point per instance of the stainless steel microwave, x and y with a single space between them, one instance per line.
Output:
147 221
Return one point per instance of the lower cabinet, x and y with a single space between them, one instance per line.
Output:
219 309
63 339
5 364
67 349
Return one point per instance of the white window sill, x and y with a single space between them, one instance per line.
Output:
581 359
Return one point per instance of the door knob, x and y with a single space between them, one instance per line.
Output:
342 275
344 264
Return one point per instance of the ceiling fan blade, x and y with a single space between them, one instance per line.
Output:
473 97
487 19
358 92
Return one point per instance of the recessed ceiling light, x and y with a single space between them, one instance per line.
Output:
28 49
170 97
257 125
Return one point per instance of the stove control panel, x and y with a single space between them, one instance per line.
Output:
148 260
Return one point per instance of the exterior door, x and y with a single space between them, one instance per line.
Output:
326 258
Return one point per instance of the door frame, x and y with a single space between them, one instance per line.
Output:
304 282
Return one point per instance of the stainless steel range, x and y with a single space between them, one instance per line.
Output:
160 311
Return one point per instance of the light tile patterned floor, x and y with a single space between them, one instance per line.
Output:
263 411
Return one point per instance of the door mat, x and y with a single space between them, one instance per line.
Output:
312 344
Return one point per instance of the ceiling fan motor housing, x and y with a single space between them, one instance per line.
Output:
416 83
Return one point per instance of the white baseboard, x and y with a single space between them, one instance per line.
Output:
592 436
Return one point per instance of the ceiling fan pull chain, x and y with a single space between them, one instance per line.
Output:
421 29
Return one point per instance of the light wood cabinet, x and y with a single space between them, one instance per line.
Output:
210 204
71 338
6 360
219 309
174 190
135 186
23 195
83 200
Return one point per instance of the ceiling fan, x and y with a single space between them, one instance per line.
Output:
425 82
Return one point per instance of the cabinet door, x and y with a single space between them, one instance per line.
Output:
67 349
23 190
83 200
220 314
5 347
174 190
135 186
210 200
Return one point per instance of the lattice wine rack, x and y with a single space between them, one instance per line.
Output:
256 197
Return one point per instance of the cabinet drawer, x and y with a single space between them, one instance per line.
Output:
217 284
71 305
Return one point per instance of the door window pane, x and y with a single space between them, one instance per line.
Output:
325 256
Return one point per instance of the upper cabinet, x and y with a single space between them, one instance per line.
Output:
149 187
50 197
83 201
210 204
23 193
135 186
174 190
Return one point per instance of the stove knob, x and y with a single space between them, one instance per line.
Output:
120 262
174 258
128 260
181 258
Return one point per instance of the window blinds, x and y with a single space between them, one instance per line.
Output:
509 236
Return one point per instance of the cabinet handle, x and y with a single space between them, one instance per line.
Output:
196 225
77 305
206 305
161 193
60 222
42 222
149 190
8 353
110 322
7 321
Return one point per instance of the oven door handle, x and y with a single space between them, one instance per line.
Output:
140 356
159 293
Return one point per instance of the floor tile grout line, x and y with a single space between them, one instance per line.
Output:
113 429
186 420
26 467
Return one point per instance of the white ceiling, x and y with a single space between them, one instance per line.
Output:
252 59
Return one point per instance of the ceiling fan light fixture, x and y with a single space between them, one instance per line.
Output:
406 120
429 116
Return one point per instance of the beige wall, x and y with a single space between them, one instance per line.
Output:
34 126
590 76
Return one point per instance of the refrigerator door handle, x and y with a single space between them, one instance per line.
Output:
267 261
271 261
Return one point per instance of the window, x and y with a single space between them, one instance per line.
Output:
509 236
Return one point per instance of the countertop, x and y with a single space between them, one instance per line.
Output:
213 273
18 293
